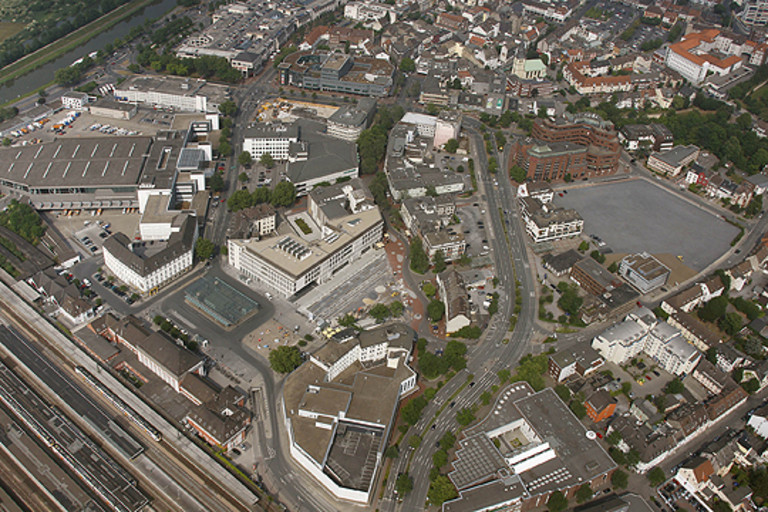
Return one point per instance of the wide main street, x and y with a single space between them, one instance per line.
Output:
490 355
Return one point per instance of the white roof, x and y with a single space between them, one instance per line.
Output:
414 118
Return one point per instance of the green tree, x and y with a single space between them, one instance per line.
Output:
438 262
239 200
216 182
619 479
656 476
451 146
396 309
569 300
557 502
284 194
584 246
429 289
465 416
404 484
419 259
731 323
347 320
267 161
435 310
440 458
578 409
23 220
407 65
379 312
563 392
392 452
613 438
714 309
613 267
285 359
517 173
244 159
441 490
204 249
411 412
228 108
414 441
225 148
584 494
674 386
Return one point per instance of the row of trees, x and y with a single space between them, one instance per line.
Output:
453 357
372 143
206 66
283 195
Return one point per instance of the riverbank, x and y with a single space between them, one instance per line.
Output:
71 41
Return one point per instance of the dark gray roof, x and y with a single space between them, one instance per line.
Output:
327 155
179 243
562 262
76 162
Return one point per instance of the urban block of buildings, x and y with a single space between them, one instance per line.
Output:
644 272
641 332
339 408
337 72
344 223
312 156
148 269
581 146
429 218
528 447
176 93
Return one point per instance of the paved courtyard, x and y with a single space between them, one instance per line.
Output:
637 216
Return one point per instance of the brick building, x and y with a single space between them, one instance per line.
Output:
582 146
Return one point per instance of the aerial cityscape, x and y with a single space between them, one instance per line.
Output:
383 255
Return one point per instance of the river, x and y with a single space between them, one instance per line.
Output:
44 74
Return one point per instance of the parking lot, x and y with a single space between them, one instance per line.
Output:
638 215
473 226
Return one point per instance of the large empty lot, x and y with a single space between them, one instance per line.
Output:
639 216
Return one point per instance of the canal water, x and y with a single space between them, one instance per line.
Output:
44 74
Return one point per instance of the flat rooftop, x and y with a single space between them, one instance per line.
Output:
223 303
291 254
77 162
175 85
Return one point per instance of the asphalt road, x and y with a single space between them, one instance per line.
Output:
490 355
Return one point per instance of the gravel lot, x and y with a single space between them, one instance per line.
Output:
640 216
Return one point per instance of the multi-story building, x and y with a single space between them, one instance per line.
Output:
148 273
447 127
552 452
667 346
337 72
348 122
428 217
370 11
755 13
655 135
588 130
273 139
643 271
621 341
672 162
593 277
183 94
581 360
453 293
558 12
544 222
600 406
154 349
344 225
696 56
326 414
550 161
74 100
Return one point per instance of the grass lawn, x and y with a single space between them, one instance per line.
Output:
9 29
